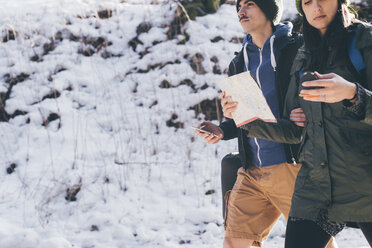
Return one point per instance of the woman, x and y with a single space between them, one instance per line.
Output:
334 185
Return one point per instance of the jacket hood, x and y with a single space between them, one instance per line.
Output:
282 30
275 42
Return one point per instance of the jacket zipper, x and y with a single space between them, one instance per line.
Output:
292 157
303 137
259 83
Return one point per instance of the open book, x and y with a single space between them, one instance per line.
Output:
252 103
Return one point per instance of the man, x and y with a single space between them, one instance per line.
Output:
265 183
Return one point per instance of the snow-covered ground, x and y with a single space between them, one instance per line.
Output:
87 110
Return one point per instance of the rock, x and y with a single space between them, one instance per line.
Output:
196 64
211 109
144 27
72 192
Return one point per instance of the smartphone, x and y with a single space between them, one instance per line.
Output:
308 76
204 131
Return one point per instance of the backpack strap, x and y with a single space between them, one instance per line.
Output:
355 55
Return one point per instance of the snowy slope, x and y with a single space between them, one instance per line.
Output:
88 102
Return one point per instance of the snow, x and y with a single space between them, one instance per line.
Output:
143 183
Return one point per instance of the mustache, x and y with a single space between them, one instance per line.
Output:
243 17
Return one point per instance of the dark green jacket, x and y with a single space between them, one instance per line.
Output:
336 145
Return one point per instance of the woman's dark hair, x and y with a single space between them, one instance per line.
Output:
336 31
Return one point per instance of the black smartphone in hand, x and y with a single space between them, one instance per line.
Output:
308 76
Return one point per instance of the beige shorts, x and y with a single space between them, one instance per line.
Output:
260 195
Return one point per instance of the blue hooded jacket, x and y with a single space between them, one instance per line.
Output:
262 65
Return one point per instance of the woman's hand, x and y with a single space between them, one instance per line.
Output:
214 133
335 89
228 106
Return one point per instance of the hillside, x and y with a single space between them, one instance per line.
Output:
98 98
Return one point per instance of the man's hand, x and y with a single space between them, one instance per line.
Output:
298 117
228 106
214 129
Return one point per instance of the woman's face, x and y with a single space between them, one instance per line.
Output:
320 13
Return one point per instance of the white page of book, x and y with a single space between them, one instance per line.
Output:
252 104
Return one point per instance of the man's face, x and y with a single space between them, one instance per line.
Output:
251 17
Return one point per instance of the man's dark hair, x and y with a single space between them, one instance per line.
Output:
271 8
